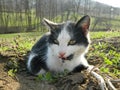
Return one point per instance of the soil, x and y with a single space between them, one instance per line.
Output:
24 81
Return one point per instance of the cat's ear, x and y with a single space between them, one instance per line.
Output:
84 23
51 25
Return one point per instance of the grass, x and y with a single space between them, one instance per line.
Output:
20 43
24 35
102 34
51 78
93 35
108 55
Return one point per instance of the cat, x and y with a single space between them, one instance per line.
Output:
62 48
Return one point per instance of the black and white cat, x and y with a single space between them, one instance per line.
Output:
62 48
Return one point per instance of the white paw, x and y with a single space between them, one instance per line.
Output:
92 68
42 71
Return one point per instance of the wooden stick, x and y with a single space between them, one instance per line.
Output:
100 79
111 85
115 81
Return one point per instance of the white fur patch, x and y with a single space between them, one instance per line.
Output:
29 60
54 63
42 71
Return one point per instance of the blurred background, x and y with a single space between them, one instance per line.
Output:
21 27
26 15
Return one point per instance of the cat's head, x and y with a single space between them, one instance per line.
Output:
69 39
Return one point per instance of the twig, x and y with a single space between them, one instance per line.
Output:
100 79
115 81
91 69
111 85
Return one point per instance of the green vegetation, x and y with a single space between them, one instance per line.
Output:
18 19
23 35
51 77
12 67
21 22
106 54
30 35
101 34
17 45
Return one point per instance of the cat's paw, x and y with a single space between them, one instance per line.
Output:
42 71
92 68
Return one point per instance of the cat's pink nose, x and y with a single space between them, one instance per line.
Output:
61 54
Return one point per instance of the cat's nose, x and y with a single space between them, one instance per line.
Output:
61 54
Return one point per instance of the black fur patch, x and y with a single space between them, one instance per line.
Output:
79 68
54 34
40 49
70 57
36 65
77 34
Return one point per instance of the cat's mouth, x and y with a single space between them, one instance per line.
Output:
68 58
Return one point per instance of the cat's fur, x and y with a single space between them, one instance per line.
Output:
54 52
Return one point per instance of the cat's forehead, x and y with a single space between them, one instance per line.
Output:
66 31
69 25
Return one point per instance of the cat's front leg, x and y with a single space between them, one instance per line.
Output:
36 65
91 69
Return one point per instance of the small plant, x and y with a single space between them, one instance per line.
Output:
20 45
45 77
17 45
108 55
51 78
12 67
12 72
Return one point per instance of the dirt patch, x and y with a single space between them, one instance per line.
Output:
24 81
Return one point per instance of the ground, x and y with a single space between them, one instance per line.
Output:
24 81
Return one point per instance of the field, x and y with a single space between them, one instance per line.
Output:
104 53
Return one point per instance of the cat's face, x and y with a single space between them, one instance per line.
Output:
69 39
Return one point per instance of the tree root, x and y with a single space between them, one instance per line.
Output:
115 81
105 82
111 86
100 79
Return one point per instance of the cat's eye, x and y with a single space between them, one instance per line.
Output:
71 42
56 42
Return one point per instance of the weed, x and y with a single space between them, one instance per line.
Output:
109 55
12 72
12 67
46 77
51 78
17 45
